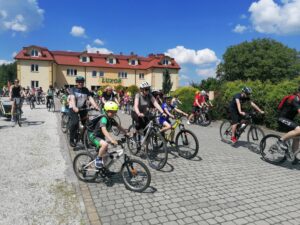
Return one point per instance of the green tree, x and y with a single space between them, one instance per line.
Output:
8 72
167 84
262 59
210 84
133 89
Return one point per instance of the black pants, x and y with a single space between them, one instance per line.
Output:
74 122
140 122
47 101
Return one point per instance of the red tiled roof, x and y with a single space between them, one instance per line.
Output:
98 60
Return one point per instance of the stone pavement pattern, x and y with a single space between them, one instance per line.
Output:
37 185
224 185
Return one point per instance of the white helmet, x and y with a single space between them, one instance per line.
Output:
145 84
203 92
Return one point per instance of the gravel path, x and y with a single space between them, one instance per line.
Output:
37 184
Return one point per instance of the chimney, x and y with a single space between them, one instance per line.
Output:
121 53
97 52
131 53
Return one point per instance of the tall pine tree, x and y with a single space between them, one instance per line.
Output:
167 84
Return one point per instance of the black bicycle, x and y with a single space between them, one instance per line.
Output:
151 142
135 174
31 102
18 111
201 117
254 134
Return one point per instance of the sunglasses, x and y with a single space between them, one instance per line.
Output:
146 89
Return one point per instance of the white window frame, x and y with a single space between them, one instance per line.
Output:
101 74
71 72
34 53
35 83
165 62
34 68
122 75
94 73
141 76
86 59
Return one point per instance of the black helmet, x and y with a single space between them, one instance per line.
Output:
247 90
79 79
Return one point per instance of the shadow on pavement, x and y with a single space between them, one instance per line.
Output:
196 158
286 164
33 123
167 168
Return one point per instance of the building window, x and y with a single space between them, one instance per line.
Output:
34 83
34 52
34 68
132 62
141 76
111 61
101 74
123 75
94 73
165 62
84 59
71 72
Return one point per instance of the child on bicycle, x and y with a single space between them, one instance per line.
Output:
102 129
168 108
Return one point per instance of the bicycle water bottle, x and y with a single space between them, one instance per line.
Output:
243 126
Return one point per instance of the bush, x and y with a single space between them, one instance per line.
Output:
186 96
133 89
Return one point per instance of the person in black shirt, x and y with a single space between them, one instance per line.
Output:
287 114
78 97
15 95
108 95
235 109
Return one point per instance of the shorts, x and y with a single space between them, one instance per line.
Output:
286 125
140 122
163 119
235 116
95 140
195 109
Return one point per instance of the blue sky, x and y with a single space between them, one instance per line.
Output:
196 33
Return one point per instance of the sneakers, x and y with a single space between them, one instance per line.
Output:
282 145
72 144
188 122
98 163
233 140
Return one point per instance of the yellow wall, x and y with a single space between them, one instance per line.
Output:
157 78
26 76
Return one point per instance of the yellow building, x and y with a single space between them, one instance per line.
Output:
40 67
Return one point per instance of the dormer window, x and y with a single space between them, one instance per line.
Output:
133 62
165 62
85 59
34 53
111 60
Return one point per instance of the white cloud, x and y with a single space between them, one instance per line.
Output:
199 57
14 54
20 15
98 42
205 73
91 49
3 61
239 29
269 17
78 31
243 16
183 77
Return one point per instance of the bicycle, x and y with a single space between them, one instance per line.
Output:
51 105
201 117
135 174
254 135
272 153
32 100
183 139
18 111
152 143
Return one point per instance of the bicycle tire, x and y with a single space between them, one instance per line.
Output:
52 106
132 176
31 105
81 171
225 131
157 156
132 142
186 154
64 123
43 100
115 130
205 119
270 146
254 137
19 117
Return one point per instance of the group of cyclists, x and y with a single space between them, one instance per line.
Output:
145 101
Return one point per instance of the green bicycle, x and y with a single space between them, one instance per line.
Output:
186 142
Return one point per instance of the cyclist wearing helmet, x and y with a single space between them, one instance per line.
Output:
142 102
168 108
102 129
236 109
109 95
78 97
196 105
50 94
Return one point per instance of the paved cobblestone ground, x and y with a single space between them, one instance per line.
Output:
223 185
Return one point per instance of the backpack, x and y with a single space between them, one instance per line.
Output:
288 98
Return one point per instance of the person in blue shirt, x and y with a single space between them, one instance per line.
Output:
167 107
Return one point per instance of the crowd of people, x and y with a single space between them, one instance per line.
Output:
77 99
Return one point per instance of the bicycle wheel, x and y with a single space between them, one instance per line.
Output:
89 147
84 167
187 144
116 130
43 100
136 175
204 119
38 101
64 122
132 141
19 117
254 136
157 155
271 151
52 106
31 104
225 131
